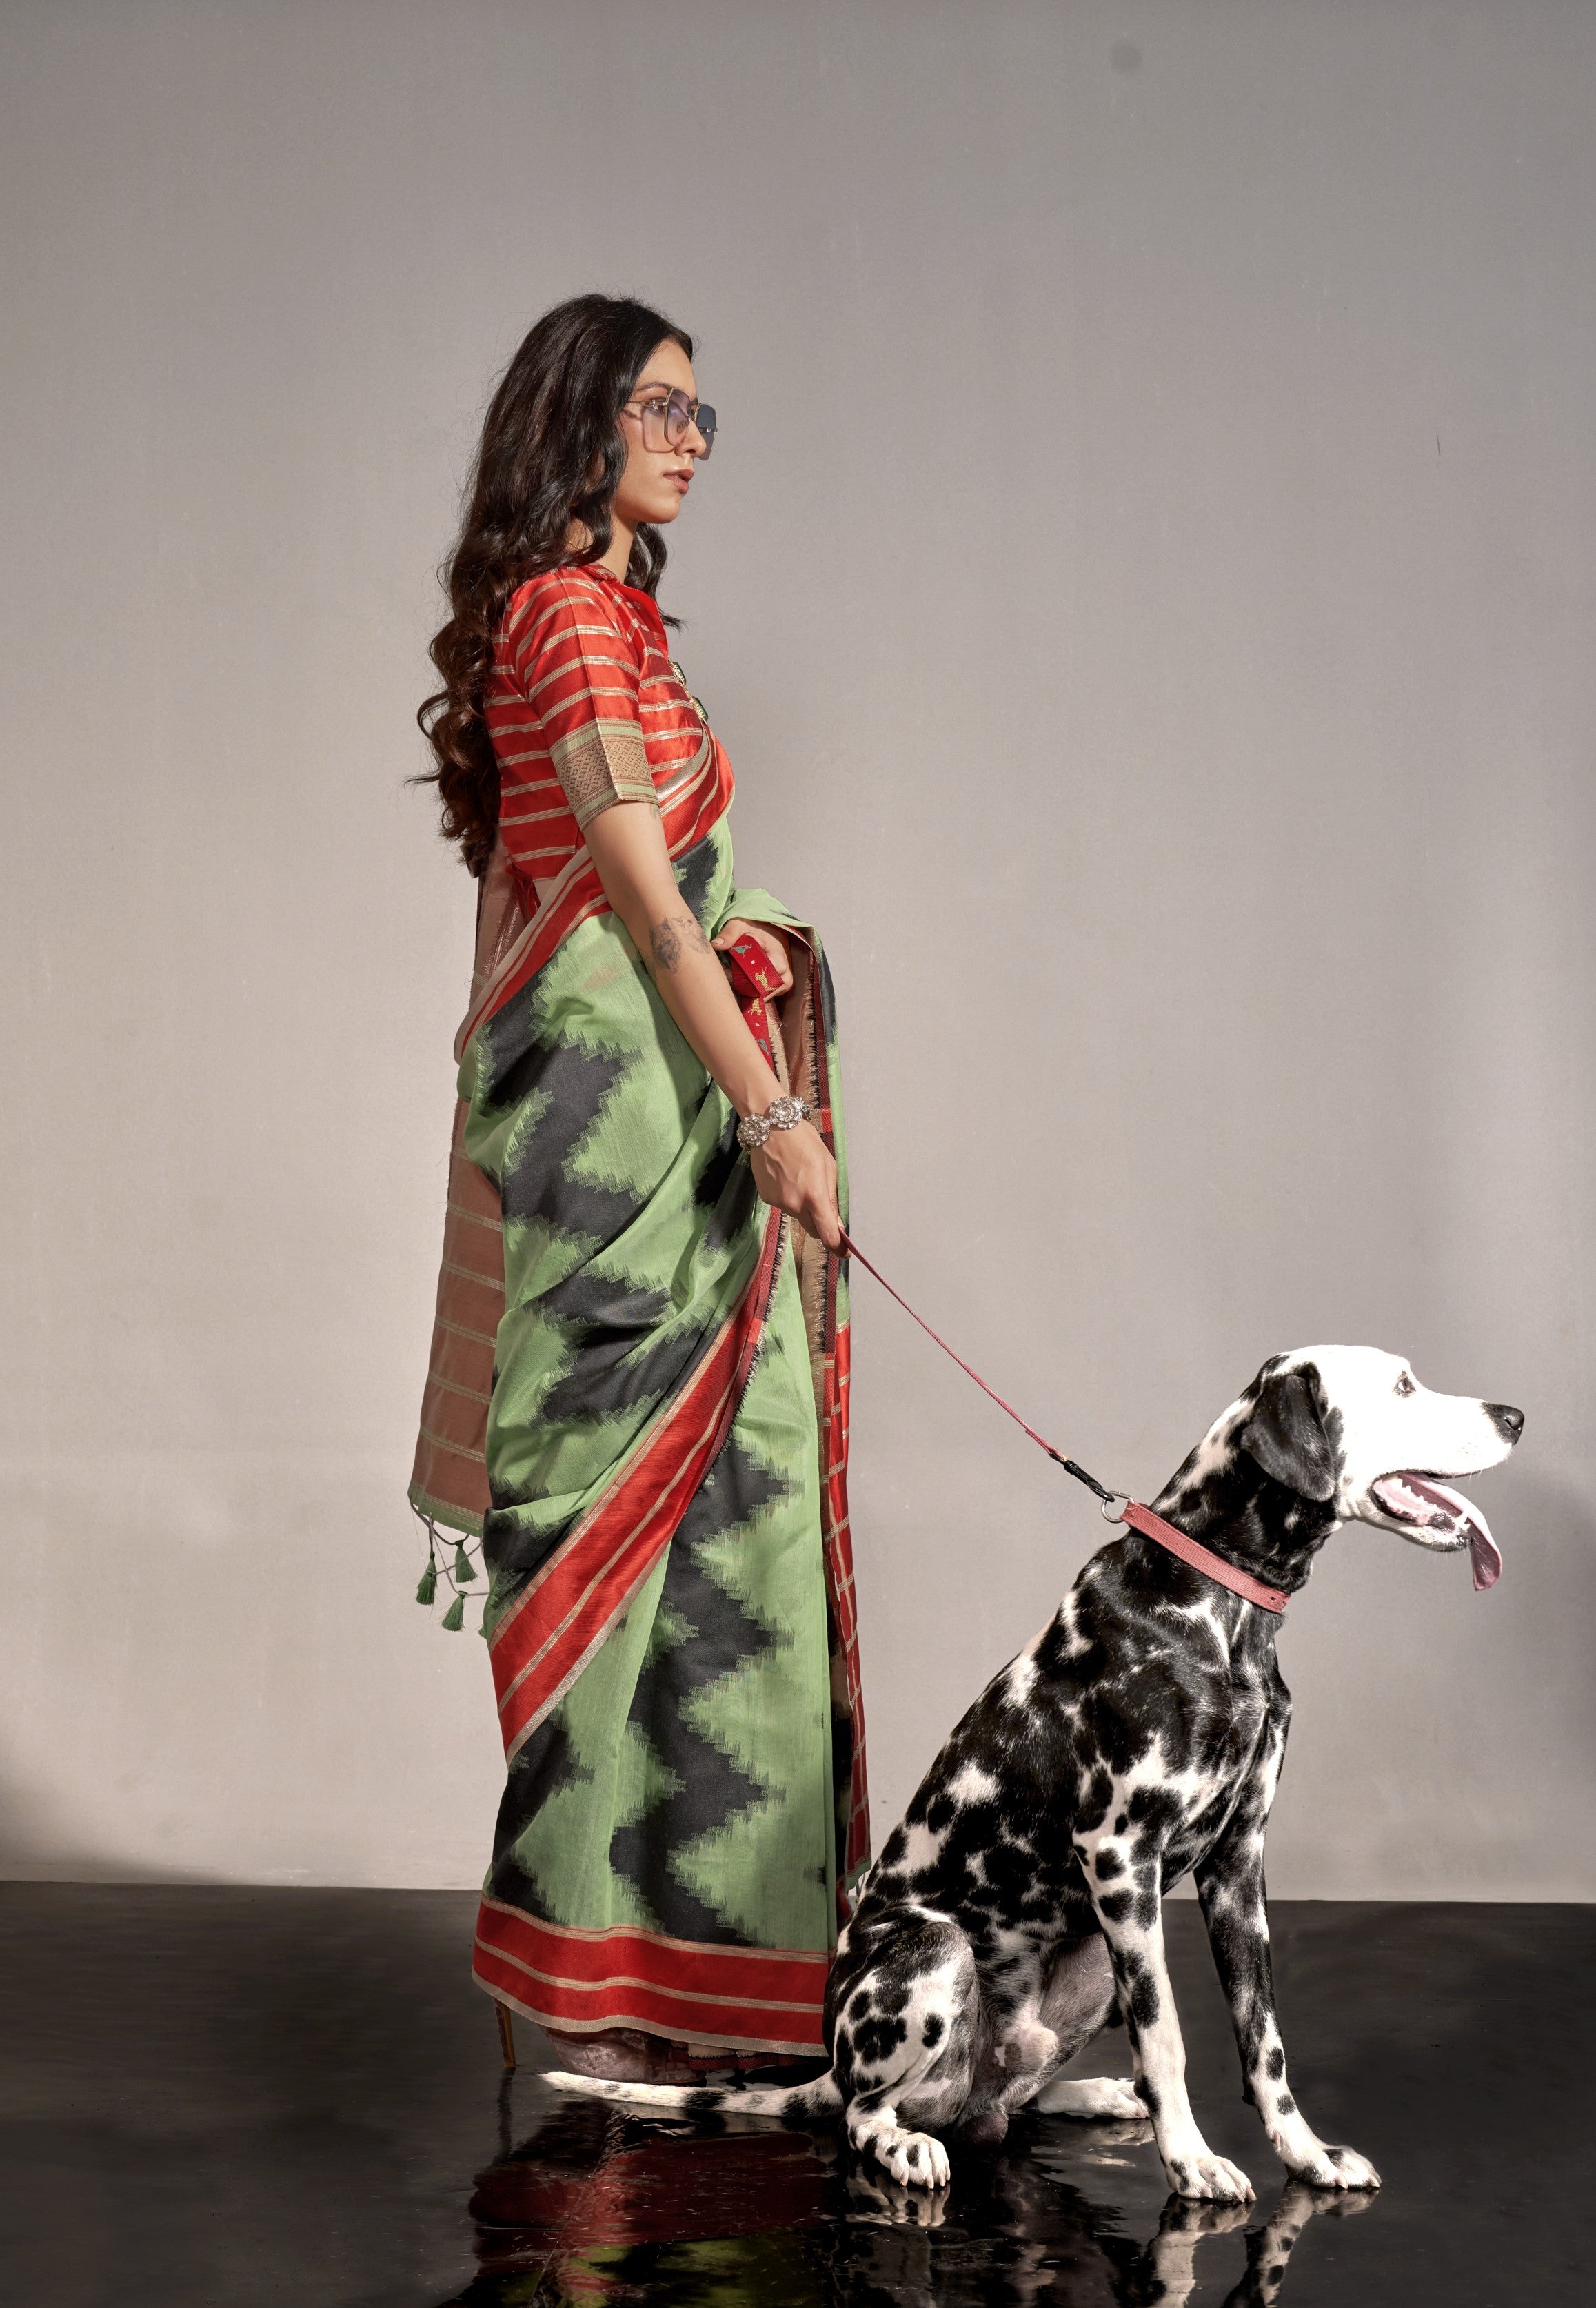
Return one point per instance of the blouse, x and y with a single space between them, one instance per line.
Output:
584 709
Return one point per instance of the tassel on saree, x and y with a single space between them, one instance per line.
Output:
454 1616
463 1569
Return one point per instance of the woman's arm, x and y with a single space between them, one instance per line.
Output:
793 1169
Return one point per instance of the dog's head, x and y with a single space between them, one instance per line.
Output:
1352 1428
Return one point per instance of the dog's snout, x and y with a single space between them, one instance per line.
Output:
1508 1422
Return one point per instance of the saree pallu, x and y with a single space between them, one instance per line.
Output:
658 1466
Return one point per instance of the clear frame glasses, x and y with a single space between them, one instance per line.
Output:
669 419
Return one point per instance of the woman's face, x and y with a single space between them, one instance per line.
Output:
655 480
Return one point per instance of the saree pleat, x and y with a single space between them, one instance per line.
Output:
656 1458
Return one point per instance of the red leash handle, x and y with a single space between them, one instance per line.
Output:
1189 1551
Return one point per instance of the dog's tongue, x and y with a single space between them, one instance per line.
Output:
1410 1495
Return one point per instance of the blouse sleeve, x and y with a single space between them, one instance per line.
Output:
579 675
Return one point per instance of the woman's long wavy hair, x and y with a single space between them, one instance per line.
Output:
551 454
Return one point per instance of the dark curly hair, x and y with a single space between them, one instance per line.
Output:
551 453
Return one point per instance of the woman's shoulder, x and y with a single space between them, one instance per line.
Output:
554 591
565 605
558 605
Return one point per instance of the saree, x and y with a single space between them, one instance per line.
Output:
638 1398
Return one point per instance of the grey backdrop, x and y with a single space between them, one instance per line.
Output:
1146 586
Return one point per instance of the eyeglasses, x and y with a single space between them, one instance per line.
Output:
668 418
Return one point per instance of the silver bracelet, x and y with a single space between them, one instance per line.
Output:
781 1114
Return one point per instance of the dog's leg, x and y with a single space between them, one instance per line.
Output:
1269 2249
904 2050
1124 1872
1230 1887
1169 2264
1079 1998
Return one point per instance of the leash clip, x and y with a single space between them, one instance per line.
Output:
1125 1499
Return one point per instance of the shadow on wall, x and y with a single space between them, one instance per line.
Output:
34 1850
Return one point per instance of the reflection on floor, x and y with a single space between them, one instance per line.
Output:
234 2097
596 2208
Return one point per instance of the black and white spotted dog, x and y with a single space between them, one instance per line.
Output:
1137 1739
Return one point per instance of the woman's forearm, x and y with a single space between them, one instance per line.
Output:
627 846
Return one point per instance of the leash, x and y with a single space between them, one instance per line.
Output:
1131 1511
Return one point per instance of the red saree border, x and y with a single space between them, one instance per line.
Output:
855 1852
809 1060
746 1999
564 1613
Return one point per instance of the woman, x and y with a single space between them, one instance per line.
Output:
638 1392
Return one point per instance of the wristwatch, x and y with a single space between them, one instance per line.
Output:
781 1114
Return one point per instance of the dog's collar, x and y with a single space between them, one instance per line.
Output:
1202 1558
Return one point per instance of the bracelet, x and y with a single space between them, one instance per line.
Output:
781 1114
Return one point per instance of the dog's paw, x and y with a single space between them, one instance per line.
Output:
1089 2098
916 2160
1181 2217
881 2202
1211 2179
1336 2168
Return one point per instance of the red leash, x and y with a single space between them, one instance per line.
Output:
1140 1518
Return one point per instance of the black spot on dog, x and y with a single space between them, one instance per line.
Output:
1274 2066
875 2040
931 2034
1285 2105
1095 1799
1114 1907
913 2156
1108 1864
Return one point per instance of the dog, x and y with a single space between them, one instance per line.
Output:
1016 1909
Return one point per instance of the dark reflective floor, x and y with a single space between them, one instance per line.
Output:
239 2098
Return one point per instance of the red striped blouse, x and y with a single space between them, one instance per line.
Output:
584 709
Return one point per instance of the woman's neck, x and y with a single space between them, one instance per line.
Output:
616 557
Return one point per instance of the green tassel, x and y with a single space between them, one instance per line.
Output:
454 1616
463 1565
429 1587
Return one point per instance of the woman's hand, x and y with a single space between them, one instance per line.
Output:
794 1171
773 942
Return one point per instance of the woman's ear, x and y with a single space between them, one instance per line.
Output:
1285 1434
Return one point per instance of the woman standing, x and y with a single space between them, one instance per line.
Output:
638 1392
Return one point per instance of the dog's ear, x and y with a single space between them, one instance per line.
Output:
1285 1434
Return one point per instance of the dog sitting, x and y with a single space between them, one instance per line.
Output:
1136 1740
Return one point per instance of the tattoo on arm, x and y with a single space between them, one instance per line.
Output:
677 935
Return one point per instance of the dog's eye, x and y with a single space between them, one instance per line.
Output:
1405 1385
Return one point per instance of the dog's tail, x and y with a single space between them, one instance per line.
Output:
791 2105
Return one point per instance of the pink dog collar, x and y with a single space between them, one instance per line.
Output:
1212 1566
